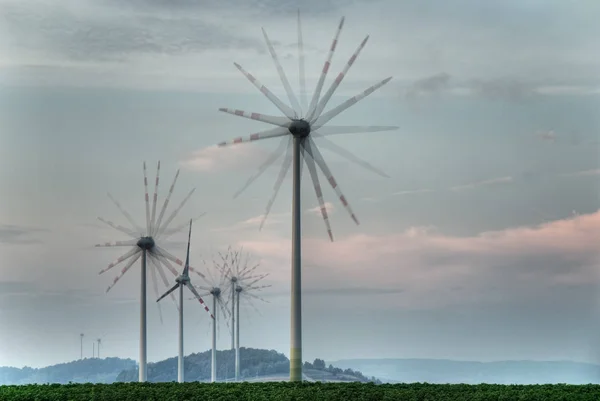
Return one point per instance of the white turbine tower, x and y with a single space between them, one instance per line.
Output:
242 279
184 281
300 128
145 245
218 291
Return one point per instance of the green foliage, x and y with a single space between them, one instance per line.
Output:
298 391
253 363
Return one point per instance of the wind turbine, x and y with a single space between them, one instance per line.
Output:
300 128
81 341
184 281
218 291
242 280
145 244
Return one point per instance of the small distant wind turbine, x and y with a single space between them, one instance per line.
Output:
241 280
184 281
81 340
218 290
145 244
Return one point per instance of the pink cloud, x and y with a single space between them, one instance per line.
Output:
214 158
428 263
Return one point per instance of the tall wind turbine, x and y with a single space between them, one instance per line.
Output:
184 281
300 128
145 245
242 279
218 291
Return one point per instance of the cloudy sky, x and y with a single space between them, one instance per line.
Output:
470 250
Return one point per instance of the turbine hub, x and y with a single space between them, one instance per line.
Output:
146 243
216 292
238 289
300 128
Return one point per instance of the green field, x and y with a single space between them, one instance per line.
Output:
297 391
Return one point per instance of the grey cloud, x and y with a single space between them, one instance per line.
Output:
56 29
431 85
12 234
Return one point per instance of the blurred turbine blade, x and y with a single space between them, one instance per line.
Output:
336 83
302 76
270 133
310 163
147 200
119 228
317 93
249 301
162 259
168 292
257 297
284 108
282 122
128 254
164 208
263 167
132 242
323 165
124 270
186 268
326 143
157 264
325 117
287 162
155 288
127 215
172 216
172 231
193 290
349 129
282 75
154 200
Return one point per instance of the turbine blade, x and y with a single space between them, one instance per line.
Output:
154 200
127 215
186 269
325 117
253 306
323 165
132 242
157 264
317 93
265 118
287 162
225 310
282 75
245 272
164 208
123 271
350 129
202 287
162 229
323 102
284 108
349 156
147 200
267 163
302 76
193 290
270 133
177 229
119 228
168 292
155 288
123 257
257 297
168 256
310 163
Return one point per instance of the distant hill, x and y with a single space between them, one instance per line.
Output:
255 365
93 370
446 371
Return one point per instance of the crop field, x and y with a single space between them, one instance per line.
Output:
297 392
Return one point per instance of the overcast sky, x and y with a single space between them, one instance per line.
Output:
471 249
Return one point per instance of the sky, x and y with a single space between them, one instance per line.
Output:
481 244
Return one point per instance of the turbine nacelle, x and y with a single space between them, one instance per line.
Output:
299 128
146 243
182 279
216 291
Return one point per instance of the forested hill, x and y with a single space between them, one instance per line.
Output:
254 364
94 370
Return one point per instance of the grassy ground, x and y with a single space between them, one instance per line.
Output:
296 391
